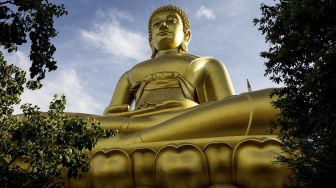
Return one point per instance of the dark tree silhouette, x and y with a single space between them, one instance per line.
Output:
302 55
37 149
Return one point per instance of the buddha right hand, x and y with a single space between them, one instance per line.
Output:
110 110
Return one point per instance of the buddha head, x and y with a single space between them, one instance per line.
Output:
168 28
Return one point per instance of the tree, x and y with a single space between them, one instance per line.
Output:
302 55
37 149
20 18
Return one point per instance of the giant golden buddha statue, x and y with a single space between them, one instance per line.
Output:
187 127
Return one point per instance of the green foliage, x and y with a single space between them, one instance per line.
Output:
37 149
11 87
40 149
19 18
302 54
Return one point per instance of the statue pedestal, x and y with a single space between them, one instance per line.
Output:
227 162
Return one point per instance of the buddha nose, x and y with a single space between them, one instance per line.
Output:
163 25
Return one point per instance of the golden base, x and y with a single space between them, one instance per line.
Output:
236 161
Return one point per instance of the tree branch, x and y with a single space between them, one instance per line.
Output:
5 2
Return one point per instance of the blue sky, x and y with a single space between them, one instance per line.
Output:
99 40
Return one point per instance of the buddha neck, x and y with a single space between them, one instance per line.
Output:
167 52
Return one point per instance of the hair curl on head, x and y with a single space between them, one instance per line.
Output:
185 22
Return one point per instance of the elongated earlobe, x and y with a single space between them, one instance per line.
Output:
183 49
184 45
187 36
154 51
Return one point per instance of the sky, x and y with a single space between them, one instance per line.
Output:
100 40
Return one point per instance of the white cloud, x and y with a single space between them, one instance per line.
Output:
19 59
68 83
206 13
109 36
65 81
113 14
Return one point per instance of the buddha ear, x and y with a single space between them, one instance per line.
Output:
150 43
152 48
184 45
187 36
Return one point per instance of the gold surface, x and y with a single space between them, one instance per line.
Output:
187 127
235 161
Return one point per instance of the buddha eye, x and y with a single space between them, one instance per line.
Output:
171 21
156 24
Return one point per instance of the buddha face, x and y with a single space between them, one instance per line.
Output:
167 30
